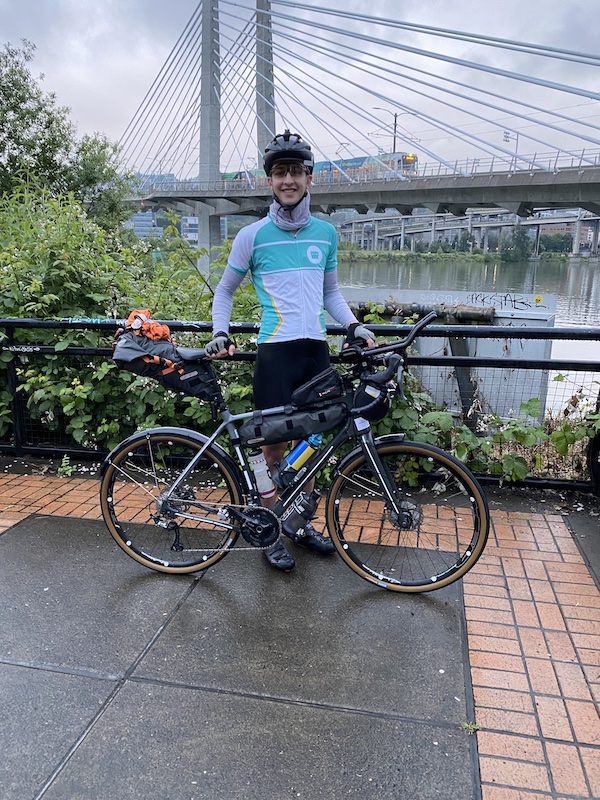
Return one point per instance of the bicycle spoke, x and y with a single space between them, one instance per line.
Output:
161 527
430 536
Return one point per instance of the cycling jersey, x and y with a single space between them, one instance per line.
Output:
295 278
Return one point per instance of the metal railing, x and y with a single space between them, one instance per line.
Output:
552 162
476 390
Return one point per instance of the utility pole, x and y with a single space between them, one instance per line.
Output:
395 114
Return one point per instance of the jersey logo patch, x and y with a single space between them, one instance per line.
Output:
314 254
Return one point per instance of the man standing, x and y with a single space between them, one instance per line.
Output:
292 258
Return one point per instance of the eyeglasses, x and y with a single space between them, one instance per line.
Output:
295 170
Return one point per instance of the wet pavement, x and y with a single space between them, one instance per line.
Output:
118 682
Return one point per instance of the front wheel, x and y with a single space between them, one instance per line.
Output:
433 532
181 530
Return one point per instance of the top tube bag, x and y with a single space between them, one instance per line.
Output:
324 386
314 410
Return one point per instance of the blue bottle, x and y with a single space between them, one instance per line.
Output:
286 470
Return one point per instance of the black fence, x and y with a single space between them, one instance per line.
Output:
486 376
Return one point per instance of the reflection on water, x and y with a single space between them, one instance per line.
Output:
575 284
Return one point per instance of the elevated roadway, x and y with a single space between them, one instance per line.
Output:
521 192
371 232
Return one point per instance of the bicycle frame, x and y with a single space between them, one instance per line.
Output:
305 473
355 427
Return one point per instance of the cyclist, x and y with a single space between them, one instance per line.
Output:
292 259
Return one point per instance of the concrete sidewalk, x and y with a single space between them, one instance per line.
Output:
118 682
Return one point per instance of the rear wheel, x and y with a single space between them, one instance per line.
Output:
185 531
433 536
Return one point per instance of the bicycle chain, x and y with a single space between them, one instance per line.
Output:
233 549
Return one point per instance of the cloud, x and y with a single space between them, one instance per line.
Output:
101 58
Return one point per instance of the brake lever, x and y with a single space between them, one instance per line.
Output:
400 382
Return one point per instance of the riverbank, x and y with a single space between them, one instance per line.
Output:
355 255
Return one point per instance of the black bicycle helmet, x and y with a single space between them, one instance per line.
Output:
288 147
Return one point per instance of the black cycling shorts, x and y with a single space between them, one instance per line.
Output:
282 367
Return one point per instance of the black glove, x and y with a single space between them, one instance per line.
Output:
357 334
220 341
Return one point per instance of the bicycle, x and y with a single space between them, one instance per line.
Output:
403 515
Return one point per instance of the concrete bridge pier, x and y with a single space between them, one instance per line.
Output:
595 232
209 231
536 247
577 236
209 226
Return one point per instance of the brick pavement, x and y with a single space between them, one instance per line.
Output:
533 625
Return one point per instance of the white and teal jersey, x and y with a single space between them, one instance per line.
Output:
288 272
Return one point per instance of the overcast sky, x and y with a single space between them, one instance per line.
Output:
101 56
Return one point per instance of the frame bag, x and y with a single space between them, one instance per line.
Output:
314 410
297 424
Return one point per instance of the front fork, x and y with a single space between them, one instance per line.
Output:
401 510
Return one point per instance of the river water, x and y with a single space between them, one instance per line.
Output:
574 283
572 287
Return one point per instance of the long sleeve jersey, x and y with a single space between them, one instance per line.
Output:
295 278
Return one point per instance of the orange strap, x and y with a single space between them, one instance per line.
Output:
167 364
141 322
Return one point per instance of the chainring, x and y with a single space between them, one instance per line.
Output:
260 526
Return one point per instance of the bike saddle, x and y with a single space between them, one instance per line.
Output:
192 353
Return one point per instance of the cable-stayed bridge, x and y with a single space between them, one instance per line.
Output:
503 127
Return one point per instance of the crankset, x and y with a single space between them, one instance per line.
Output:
259 526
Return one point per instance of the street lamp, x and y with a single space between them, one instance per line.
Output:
395 114
507 136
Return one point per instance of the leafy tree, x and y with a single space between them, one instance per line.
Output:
55 262
465 242
38 142
95 179
519 245
36 135
556 242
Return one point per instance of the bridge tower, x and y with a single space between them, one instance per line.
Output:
265 93
209 149
210 94
210 110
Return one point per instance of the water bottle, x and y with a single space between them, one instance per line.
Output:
264 484
287 469
300 512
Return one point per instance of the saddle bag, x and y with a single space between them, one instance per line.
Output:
159 359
